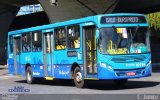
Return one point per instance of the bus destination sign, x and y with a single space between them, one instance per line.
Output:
122 19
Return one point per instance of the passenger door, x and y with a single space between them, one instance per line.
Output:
89 49
17 52
48 44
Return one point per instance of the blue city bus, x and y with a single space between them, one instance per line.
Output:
102 47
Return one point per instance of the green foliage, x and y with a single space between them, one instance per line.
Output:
154 20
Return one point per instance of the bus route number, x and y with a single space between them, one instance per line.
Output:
110 20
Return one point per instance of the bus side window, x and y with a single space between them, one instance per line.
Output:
60 38
26 42
37 41
73 34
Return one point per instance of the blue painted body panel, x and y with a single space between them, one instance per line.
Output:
109 66
18 64
11 63
119 69
49 64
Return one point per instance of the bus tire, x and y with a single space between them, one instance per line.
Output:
120 82
78 81
29 75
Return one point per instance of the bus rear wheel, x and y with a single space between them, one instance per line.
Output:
29 75
78 81
120 82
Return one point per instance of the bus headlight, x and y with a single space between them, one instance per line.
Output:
106 66
103 65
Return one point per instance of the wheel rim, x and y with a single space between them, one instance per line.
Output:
78 77
28 76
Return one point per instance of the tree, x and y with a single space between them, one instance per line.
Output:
154 21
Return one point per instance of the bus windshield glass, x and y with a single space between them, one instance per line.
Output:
124 40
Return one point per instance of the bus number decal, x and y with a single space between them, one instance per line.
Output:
71 53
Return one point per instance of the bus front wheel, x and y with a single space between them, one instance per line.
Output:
78 81
29 75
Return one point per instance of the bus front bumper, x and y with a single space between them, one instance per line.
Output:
108 73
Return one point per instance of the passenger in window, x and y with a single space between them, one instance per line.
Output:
24 43
60 47
28 47
123 38
38 47
35 47
77 42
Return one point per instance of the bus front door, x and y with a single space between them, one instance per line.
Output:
89 49
48 36
17 50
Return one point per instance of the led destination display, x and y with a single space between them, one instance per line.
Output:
122 19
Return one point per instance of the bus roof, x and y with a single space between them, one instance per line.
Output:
70 22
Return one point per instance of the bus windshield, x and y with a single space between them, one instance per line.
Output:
124 40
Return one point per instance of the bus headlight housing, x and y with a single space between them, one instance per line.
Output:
104 65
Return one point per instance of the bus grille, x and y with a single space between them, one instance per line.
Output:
124 72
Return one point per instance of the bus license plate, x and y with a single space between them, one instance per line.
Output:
131 73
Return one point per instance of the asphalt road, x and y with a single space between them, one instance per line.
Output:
149 85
